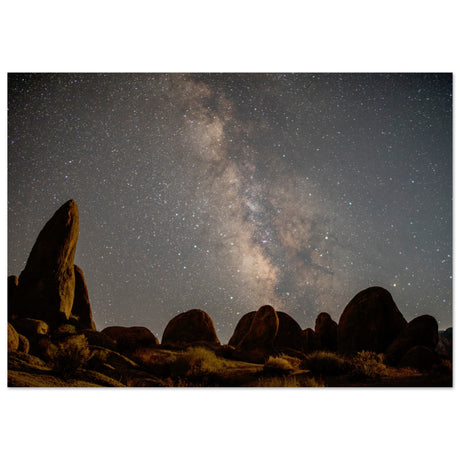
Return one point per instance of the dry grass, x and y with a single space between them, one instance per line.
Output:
369 364
326 363
71 354
278 364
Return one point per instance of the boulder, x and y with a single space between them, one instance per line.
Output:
13 339
289 333
447 334
30 326
422 330
13 284
242 328
310 341
47 283
190 327
43 347
81 307
128 339
258 343
24 344
326 332
420 358
370 321
96 338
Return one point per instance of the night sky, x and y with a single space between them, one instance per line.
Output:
226 192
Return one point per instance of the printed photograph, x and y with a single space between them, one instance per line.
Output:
230 230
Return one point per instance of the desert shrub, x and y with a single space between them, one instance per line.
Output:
195 362
278 365
64 331
326 362
369 364
71 354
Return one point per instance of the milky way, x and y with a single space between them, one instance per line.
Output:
227 192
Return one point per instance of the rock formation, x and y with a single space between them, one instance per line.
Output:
31 327
129 339
370 321
420 358
326 332
47 283
241 328
422 330
81 307
289 333
190 327
310 342
13 338
13 284
258 343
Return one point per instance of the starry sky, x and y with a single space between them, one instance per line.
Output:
225 192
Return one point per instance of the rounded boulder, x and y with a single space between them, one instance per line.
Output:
190 327
370 321
128 339
258 343
289 333
422 330
326 332
241 328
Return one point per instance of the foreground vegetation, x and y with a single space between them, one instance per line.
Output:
74 363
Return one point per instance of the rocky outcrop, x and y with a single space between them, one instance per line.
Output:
422 330
326 332
444 346
241 328
128 339
97 338
370 321
81 308
47 283
13 339
30 326
190 327
309 338
420 358
289 333
24 344
258 343
13 285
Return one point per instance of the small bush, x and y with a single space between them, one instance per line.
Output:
71 354
278 364
326 363
196 362
369 364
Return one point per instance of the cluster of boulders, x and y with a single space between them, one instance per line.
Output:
49 302
50 298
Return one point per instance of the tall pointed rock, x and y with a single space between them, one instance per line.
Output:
47 283
81 304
